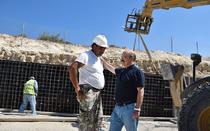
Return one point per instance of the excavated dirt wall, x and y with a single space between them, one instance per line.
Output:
37 51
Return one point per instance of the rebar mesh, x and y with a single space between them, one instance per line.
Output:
56 93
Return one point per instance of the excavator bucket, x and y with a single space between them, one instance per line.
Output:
138 24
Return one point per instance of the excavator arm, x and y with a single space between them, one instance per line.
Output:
140 22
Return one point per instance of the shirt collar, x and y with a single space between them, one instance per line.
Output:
131 66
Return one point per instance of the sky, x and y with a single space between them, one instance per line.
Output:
79 21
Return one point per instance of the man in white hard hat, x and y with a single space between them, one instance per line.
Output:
91 82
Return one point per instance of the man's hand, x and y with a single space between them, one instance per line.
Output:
136 114
80 95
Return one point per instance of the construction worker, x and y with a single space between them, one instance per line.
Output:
91 82
29 95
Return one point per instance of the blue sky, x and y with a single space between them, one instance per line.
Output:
78 21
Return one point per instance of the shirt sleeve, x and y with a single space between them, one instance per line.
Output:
82 58
140 78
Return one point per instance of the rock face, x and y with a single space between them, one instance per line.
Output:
37 51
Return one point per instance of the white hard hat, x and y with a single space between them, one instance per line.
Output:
101 40
32 77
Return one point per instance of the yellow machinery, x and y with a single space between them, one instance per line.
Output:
140 22
194 100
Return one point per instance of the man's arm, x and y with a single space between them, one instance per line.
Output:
108 66
140 97
36 87
73 74
139 101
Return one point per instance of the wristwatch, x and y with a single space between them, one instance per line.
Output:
137 109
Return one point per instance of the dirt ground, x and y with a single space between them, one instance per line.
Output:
72 126
27 122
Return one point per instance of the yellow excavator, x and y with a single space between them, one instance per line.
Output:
193 101
140 22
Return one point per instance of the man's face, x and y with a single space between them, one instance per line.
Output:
126 60
98 50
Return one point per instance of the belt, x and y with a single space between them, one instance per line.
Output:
124 103
87 86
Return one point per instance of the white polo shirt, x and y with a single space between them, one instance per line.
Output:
92 71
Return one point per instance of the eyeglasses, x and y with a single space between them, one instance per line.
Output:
122 60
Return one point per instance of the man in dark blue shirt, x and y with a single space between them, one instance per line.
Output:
129 93
128 81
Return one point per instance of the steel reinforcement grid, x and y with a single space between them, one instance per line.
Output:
56 93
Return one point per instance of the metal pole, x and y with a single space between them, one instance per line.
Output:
145 47
171 44
134 44
197 46
22 34
23 29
